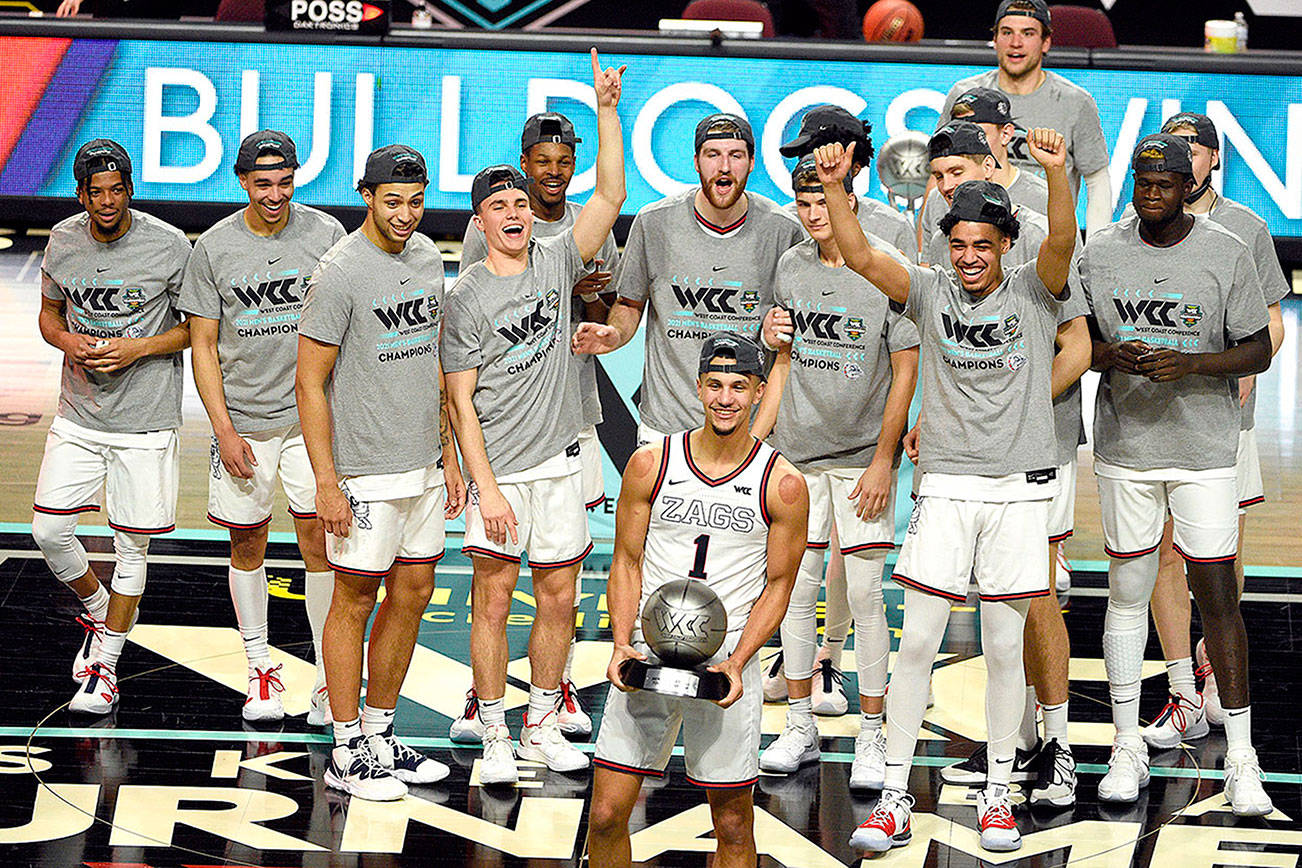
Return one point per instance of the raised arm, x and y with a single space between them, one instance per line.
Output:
598 216
787 502
767 415
833 164
624 586
1049 149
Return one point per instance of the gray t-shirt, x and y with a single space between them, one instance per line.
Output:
1068 423
383 310
698 281
475 249
1027 191
1197 296
880 219
1057 104
985 374
253 285
125 288
516 330
835 398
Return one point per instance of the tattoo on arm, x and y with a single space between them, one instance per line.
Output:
445 431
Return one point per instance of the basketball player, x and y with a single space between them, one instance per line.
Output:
516 405
990 110
109 283
666 523
704 259
1039 98
547 151
988 457
243 294
1158 281
1186 717
838 403
374 418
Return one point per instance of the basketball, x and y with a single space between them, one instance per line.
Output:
684 622
892 21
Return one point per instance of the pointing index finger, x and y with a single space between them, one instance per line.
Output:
596 64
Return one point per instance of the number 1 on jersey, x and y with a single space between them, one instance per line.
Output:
698 568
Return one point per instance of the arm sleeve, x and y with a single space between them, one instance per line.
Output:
632 278
460 347
1098 200
473 246
199 294
1245 307
326 309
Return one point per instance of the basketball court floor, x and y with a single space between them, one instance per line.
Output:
175 778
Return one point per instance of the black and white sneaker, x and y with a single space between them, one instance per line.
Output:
1056 784
972 771
405 764
356 770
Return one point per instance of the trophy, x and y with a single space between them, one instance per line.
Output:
902 167
684 623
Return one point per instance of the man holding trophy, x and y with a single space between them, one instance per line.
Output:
727 513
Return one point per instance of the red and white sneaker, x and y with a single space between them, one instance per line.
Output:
889 825
90 644
574 721
1182 719
263 699
98 693
469 727
995 815
1211 695
318 713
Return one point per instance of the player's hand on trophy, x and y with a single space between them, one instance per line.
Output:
1047 147
615 671
606 82
777 328
595 338
833 162
731 668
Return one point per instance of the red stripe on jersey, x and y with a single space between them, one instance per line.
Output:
687 451
664 468
764 486
714 227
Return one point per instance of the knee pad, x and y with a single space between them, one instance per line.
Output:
129 550
56 537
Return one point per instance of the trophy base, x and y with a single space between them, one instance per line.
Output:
671 681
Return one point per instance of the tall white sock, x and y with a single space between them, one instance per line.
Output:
318 589
925 618
1238 728
347 730
376 720
542 702
249 594
1180 677
800 712
1055 722
493 711
1125 635
110 648
97 603
1002 627
569 657
872 638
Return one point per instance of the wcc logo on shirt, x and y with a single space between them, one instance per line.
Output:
818 325
523 324
987 335
98 299
269 293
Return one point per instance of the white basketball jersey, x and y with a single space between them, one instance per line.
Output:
712 530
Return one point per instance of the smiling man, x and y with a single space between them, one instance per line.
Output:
243 290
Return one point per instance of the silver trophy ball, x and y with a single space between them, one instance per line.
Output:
684 622
903 167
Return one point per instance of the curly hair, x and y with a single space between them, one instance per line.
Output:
1009 225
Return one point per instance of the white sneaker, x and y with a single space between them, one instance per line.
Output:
469 727
793 748
1211 695
1056 783
403 763
574 721
828 689
868 772
355 770
995 815
318 713
98 693
1127 772
498 764
263 699
1183 719
1243 789
889 825
543 742
775 680
88 650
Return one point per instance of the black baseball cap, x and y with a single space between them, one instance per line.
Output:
495 179
395 164
262 142
548 127
1037 9
824 124
957 139
804 177
981 202
745 350
1203 127
100 155
982 105
1162 152
724 126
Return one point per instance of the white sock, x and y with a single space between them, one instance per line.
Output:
1028 734
249 594
542 702
493 711
376 720
569 658
1002 627
1180 677
110 648
800 712
346 731
925 618
1238 728
870 722
97 603
1055 722
318 589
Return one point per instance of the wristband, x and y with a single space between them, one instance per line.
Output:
589 297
